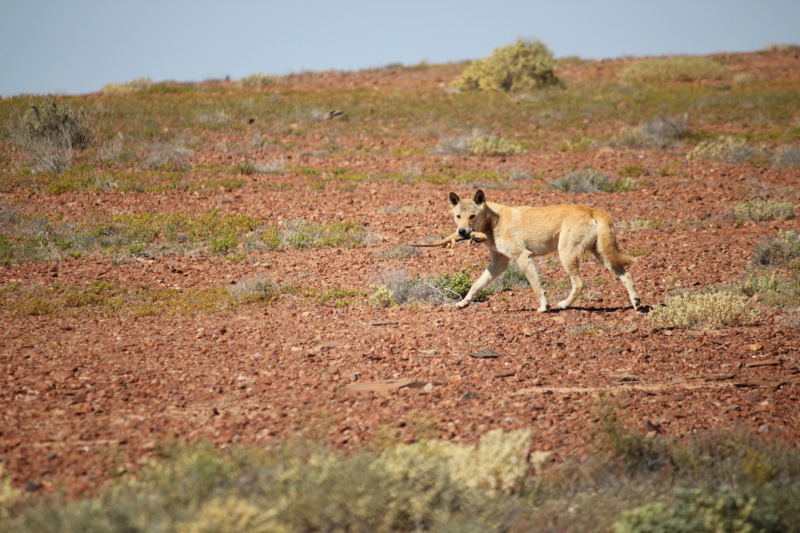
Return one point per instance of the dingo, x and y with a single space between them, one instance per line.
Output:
520 233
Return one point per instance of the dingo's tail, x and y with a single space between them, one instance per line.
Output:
607 246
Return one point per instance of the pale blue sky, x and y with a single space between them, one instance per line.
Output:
77 46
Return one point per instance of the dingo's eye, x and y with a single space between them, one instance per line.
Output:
458 216
471 217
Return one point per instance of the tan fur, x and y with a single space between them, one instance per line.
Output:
521 233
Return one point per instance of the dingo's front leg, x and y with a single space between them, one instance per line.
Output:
497 266
528 267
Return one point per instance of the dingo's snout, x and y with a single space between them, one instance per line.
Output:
464 232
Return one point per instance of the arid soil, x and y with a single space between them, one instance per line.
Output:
87 397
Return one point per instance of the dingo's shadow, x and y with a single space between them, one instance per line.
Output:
643 310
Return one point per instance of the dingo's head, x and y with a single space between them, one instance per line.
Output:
470 215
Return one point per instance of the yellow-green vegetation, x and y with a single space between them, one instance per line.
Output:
9 496
396 287
300 233
714 310
761 209
480 145
728 149
673 69
724 481
591 181
770 288
29 238
338 297
110 299
521 66
382 296
576 143
257 80
631 171
159 129
487 145
698 511
133 86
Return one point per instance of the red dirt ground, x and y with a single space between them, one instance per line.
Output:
84 398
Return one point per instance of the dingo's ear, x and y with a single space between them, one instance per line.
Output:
454 199
479 197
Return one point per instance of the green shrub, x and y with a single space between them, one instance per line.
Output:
518 67
223 244
698 511
591 181
382 296
457 284
714 310
673 69
763 209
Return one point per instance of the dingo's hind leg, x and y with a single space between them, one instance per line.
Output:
571 261
625 277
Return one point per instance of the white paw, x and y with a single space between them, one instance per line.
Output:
542 308
563 304
462 304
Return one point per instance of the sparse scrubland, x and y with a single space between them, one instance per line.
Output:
214 321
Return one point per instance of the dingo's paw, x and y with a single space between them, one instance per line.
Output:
542 308
462 304
563 304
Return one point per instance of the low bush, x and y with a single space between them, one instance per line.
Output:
780 251
133 86
478 144
673 69
700 511
763 209
169 156
300 233
727 149
715 310
788 156
517 67
770 289
49 133
591 181
257 80
396 287
491 146
729 480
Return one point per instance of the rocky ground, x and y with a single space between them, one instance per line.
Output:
85 397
